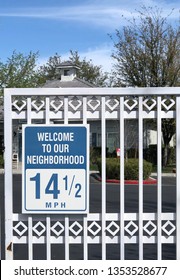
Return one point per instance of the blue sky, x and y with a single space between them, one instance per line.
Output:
51 26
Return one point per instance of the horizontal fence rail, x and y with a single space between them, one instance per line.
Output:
103 228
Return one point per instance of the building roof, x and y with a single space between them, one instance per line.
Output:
67 77
76 82
67 64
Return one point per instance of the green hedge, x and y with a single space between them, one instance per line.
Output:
131 168
112 167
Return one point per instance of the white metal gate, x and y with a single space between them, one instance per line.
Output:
81 105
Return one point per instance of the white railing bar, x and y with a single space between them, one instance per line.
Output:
122 178
29 110
84 110
47 111
95 115
66 107
48 238
66 227
48 220
177 178
159 178
103 160
85 236
121 92
30 233
8 191
140 179
97 217
30 238
97 240
146 91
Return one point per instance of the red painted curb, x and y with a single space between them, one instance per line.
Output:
133 182
149 181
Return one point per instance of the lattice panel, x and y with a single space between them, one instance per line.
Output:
149 104
85 105
93 105
19 104
57 104
94 229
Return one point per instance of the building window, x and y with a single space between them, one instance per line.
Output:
66 72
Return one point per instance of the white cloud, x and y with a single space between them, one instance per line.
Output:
100 56
102 13
97 15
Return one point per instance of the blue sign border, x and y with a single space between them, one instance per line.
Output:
32 149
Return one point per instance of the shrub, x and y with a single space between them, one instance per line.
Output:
112 167
131 169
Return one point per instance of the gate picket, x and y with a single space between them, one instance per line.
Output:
89 105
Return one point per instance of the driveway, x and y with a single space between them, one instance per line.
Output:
112 206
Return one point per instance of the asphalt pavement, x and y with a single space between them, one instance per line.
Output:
112 206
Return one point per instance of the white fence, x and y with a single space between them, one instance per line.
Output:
82 105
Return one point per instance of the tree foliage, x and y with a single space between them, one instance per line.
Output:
20 71
88 71
147 51
147 54
49 69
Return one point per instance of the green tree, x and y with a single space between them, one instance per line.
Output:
20 71
147 54
48 70
88 71
147 51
